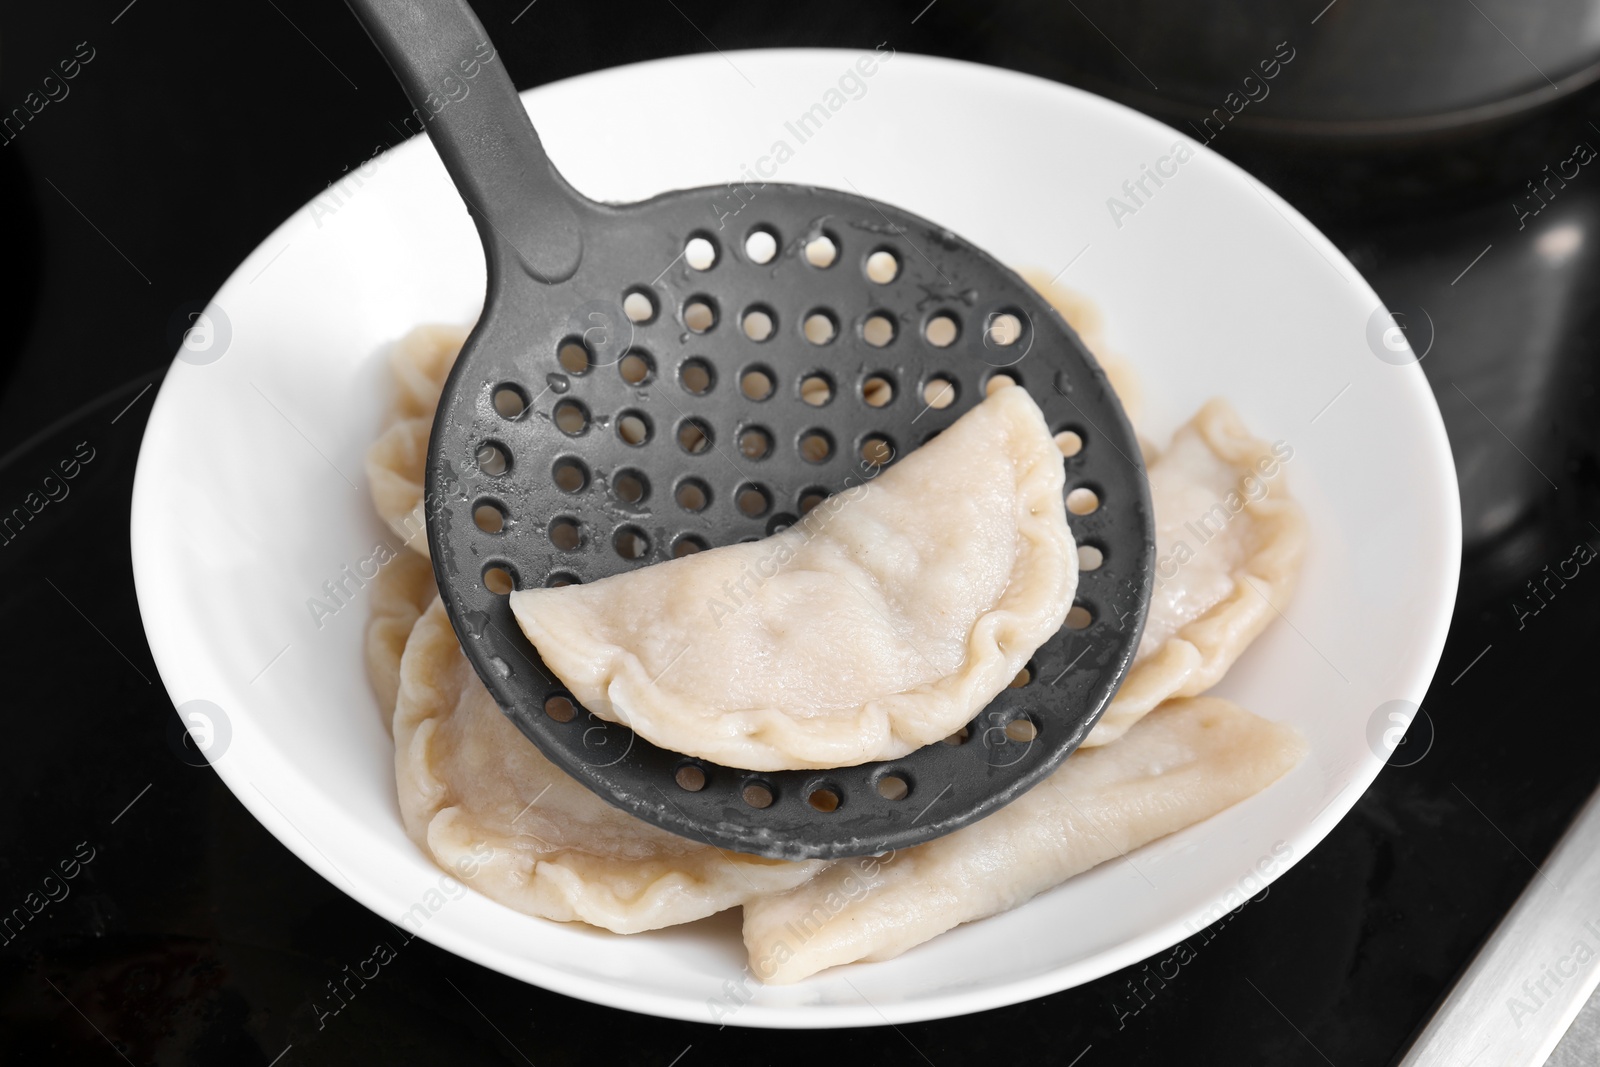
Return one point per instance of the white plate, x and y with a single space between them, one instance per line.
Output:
250 492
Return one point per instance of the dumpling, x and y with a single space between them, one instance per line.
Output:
1087 322
1212 596
1185 763
401 592
478 796
1229 543
881 622
418 363
394 474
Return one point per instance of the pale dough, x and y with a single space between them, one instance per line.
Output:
469 782
1229 543
401 592
882 621
1185 763
1087 322
1208 608
419 363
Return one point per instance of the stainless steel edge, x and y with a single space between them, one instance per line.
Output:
1518 996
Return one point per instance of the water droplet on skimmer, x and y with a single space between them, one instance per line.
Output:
557 382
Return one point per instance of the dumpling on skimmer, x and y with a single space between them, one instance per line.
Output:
881 622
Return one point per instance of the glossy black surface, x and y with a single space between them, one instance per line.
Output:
191 936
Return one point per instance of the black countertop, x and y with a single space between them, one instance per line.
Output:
191 936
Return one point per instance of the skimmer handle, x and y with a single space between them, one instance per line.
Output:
461 93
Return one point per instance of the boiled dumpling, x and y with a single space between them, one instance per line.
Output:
401 592
1220 583
1229 542
1185 763
1087 322
418 363
882 621
477 795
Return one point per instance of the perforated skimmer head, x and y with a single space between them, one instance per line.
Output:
653 379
